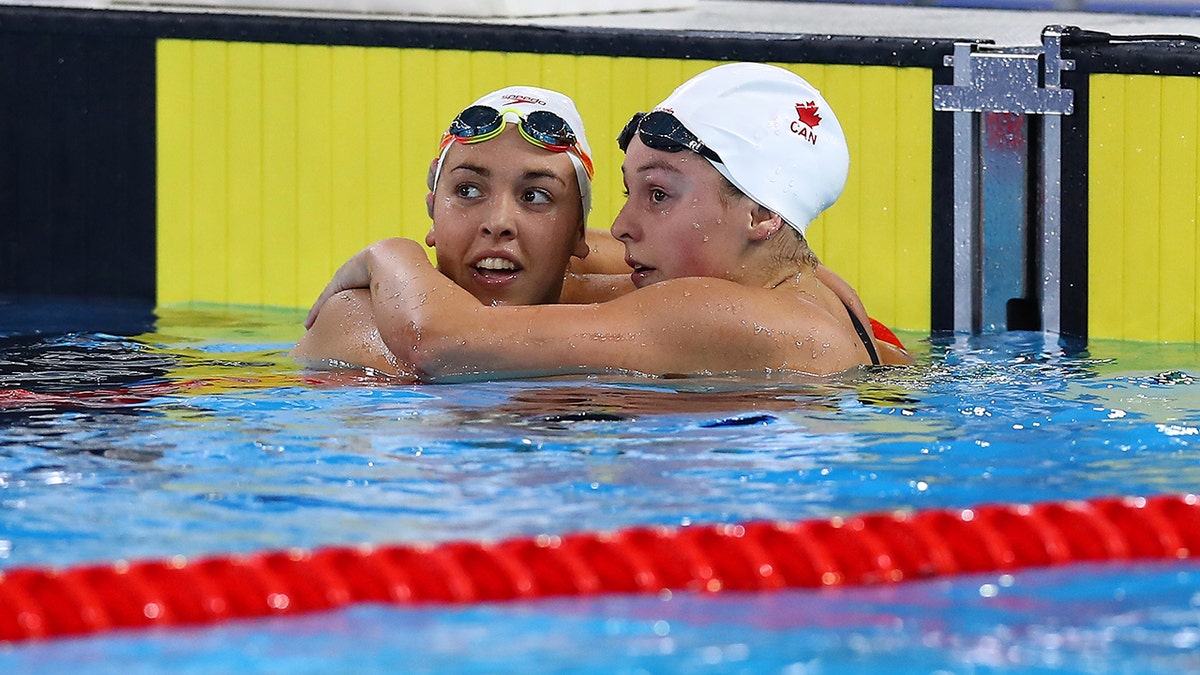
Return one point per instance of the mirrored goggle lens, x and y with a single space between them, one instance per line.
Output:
661 131
540 127
545 127
476 121
630 129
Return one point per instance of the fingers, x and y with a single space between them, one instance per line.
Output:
356 272
353 274
314 310
329 291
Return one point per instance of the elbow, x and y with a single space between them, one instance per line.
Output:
426 354
428 335
428 362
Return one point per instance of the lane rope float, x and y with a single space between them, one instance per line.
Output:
872 548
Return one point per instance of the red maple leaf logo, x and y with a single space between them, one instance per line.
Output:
808 113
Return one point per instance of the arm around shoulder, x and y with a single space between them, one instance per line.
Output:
685 326
344 334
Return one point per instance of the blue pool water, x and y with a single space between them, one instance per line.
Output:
198 436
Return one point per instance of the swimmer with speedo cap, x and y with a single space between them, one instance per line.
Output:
509 194
722 177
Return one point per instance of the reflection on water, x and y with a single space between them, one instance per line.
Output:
207 418
202 437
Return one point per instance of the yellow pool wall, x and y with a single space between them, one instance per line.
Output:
1144 184
277 162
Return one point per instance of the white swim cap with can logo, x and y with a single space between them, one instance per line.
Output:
517 103
777 137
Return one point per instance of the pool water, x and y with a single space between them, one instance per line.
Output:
195 435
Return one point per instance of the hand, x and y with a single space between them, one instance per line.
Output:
355 273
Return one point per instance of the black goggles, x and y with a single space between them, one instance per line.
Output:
660 130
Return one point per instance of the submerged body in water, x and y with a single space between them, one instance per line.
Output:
202 438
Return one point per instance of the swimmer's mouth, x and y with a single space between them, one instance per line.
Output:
496 265
641 273
637 266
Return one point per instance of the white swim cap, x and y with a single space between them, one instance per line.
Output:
517 103
778 139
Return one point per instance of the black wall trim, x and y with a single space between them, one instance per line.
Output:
733 46
1103 53
77 165
941 258
1141 59
1074 223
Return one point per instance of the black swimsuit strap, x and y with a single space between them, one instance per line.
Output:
863 335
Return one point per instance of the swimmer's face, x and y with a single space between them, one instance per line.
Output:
674 222
506 220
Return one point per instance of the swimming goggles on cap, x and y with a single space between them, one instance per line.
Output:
540 127
661 130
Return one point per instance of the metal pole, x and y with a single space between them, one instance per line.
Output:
1051 184
966 203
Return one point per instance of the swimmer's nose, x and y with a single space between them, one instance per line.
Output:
501 222
623 227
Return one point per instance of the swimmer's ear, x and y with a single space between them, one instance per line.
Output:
429 178
582 249
429 239
432 173
764 223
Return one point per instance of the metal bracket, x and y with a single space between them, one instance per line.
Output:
1023 81
1007 79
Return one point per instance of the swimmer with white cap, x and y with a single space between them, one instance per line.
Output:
723 177
509 194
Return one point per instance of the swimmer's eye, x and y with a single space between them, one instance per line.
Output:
658 196
535 196
468 191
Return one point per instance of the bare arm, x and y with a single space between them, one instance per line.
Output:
687 326
891 355
344 334
584 288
